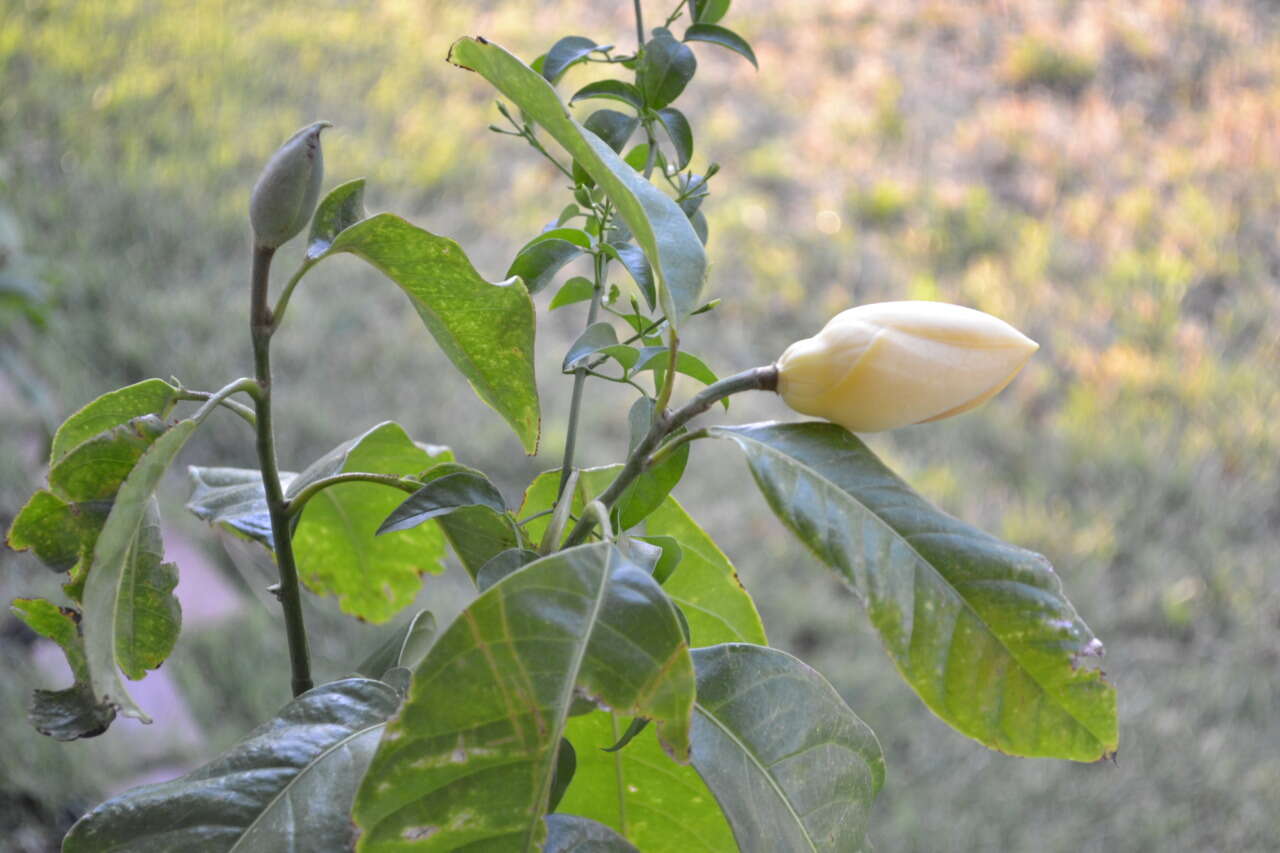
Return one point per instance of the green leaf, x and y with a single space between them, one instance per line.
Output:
669 558
613 127
594 338
541 495
576 289
130 617
95 468
58 532
406 647
659 226
651 488
443 496
656 358
334 542
980 629
666 68
503 564
287 786
477 533
792 767
723 37
710 11
70 713
545 255
471 757
340 209
567 52
485 329
234 499
613 90
680 134
705 585
637 265
660 806
568 833
566 764
149 397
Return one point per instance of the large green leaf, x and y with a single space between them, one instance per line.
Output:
660 227
149 397
288 786
705 585
58 532
792 767
471 757
485 328
658 805
234 499
130 616
335 542
979 628
73 712
477 532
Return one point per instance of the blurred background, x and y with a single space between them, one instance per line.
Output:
1105 176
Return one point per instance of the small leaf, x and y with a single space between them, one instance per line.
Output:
441 497
594 338
406 647
680 134
656 358
568 833
576 289
710 11
667 67
637 265
723 37
545 255
614 90
668 560
340 209
792 767
568 51
58 532
980 629
149 397
491 699
334 541
289 785
502 565
638 725
485 328
234 499
613 127
70 713
698 220
566 764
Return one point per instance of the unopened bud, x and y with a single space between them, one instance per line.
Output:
889 364
286 193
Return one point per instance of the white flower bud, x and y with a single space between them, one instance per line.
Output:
889 364
286 193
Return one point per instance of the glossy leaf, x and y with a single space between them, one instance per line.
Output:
705 584
638 791
613 127
287 786
792 767
661 229
235 500
667 67
338 211
406 647
150 397
613 90
503 564
568 833
442 496
594 338
545 255
130 617
470 759
576 289
710 11
73 712
725 38
979 628
637 265
680 134
486 329
567 52
656 358
335 542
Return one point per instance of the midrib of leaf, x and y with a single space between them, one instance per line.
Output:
301 773
566 697
763 771
844 495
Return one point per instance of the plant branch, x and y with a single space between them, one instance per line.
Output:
295 504
580 379
261 327
755 379
277 316
639 26
218 399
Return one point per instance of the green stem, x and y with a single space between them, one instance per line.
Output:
755 379
639 25
277 316
580 380
261 327
295 504
218 399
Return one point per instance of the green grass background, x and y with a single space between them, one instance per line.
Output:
1105 176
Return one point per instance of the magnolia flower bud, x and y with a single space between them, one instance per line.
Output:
287 190
890 364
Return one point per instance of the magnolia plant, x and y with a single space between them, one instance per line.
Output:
610 686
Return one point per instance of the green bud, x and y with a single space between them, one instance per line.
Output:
287 190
